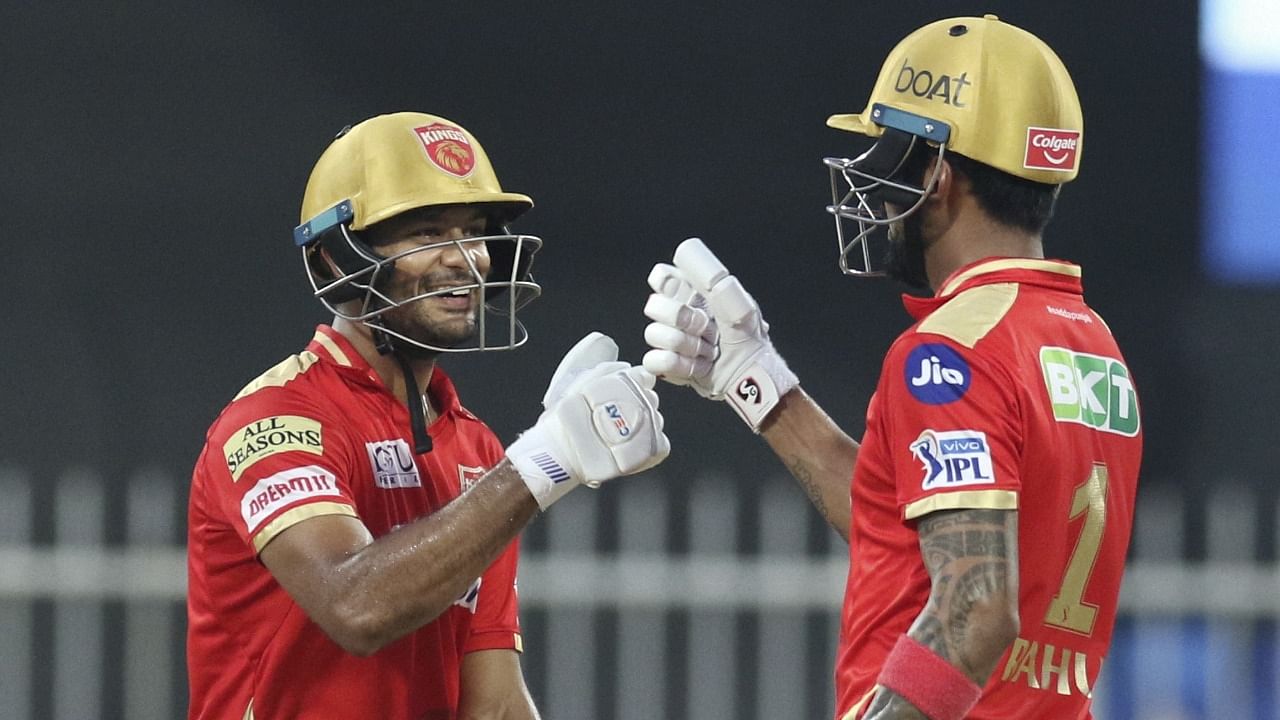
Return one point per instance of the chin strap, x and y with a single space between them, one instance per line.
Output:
417 411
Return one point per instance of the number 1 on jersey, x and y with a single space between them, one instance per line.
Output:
1068 609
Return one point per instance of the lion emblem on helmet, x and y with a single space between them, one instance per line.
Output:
447 148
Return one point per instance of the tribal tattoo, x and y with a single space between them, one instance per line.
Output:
971 616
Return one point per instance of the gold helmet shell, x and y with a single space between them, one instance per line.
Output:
392 163
1004 94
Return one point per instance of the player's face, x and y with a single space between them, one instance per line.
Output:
445 319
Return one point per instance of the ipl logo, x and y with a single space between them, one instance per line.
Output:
954 457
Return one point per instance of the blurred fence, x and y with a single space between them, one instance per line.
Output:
649 599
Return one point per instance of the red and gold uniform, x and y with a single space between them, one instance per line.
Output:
1009 392
319 434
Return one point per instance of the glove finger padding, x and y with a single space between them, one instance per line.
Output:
664 337
680 315
666 280
587 354
679 369
745 370
698 265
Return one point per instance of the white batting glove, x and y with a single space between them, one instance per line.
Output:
708 333
601 421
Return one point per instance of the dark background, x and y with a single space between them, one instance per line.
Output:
153 157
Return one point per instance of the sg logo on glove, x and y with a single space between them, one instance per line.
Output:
749 390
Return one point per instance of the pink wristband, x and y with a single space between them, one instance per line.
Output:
932 684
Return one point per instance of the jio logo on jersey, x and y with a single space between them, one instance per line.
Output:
954 457
936 374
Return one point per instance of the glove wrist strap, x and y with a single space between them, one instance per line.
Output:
755 392
546 477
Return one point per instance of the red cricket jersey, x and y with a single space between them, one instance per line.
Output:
319 434
1009 392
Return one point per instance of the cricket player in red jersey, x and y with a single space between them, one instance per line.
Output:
992 494
352 539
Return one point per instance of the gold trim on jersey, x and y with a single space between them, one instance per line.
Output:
1010 264
964 500
288 369
248 712
519 643
972 314
289 518
857 707
332 347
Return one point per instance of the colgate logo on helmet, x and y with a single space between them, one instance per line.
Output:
1052 149
447 148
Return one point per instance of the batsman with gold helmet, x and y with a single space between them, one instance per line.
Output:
352 526
988 507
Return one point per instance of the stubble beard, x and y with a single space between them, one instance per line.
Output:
904 259
420 322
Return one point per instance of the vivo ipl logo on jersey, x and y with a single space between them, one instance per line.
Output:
936 374
1090 390
392 464
954 457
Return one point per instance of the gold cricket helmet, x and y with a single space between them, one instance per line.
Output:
975 86
391 164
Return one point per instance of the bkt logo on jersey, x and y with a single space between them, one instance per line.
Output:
954 457
936 374
1090 390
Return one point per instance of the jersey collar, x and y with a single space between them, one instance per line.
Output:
1054 274
332 346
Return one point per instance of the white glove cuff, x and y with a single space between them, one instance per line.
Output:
547 477
755 391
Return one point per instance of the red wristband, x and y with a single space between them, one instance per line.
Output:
932 684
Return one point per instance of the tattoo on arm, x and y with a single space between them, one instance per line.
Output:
804 475
971 556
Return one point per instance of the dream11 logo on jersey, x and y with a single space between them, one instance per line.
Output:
1052 149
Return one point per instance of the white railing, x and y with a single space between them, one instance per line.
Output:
644 600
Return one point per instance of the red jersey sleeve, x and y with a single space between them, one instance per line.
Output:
496 623
953 428
274 460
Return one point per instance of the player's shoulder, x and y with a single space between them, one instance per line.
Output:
298 387
972 317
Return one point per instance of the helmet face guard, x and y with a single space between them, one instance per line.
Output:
861 186
354 283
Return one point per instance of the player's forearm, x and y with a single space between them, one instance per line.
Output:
972 613
973 645
410 576
817 452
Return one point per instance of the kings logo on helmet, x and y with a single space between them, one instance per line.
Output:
447 148
1052 149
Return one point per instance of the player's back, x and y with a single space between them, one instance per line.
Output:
1079 462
